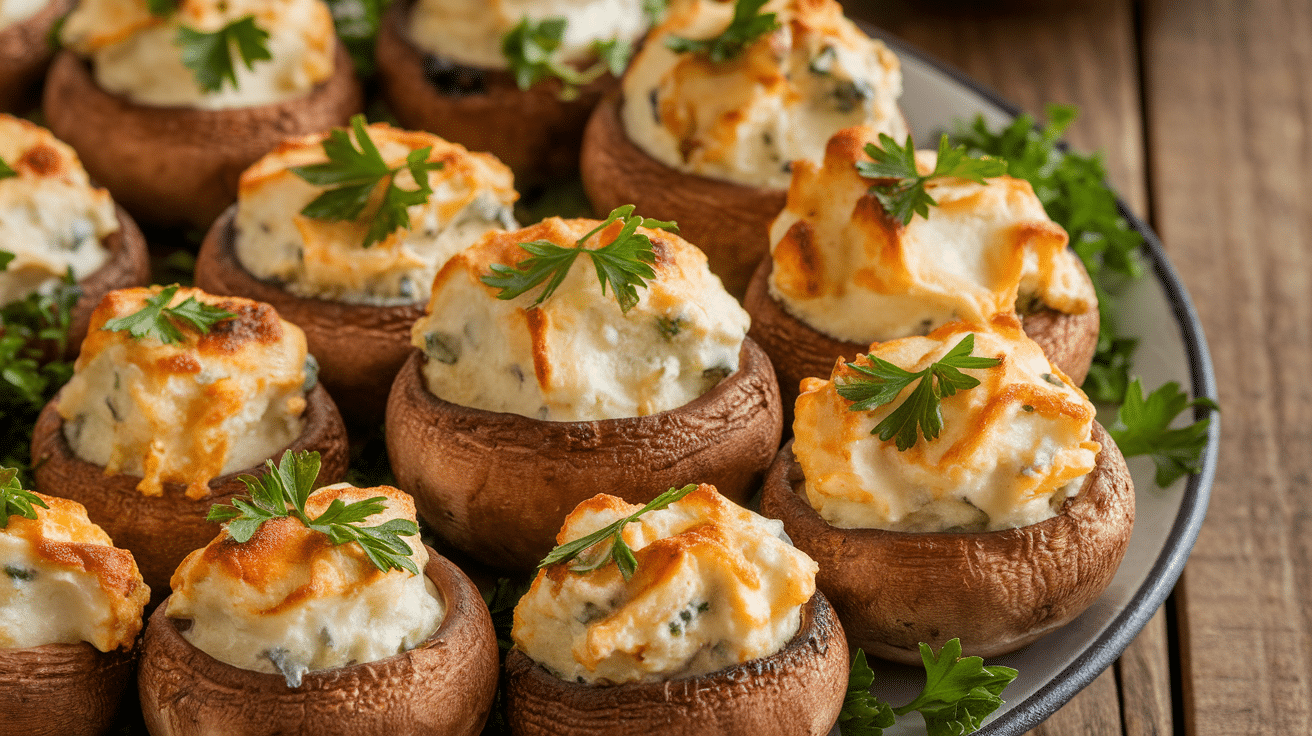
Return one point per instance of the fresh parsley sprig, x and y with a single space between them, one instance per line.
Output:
748 24
624 263
284 490
356 173
905 196
14 501
919 414
1143 427
619 550
530 49
209 56
156 319
959 693
6 171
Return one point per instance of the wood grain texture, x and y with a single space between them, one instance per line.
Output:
1229 109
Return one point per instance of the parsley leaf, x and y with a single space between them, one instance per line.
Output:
284 490
501 602
356 174
863 714
619 550
959 691
748 24
919 414
1143 427
905 197
5 258
14 501
530 50
5 170
209 55
654 10
155 319
161 8
624 263
357 23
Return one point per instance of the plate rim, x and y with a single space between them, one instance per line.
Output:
1165 571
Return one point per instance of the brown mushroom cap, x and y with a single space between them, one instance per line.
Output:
360 347
160 531
24 53
498 485
799 351
62 689
997 591
794 692
444 686
128 265
180 165
729 222
533 131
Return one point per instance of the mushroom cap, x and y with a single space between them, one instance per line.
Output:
128 265
996 591
160 531
534 132
498 486
360 347
24 53
797 690
730 222
446 685
62 689
799 351
179 165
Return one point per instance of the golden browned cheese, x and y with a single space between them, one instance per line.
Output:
847 269
1011 450
65 582
188 411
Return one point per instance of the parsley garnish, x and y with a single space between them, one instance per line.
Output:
356 174
748 24
357 24
284 490
530 50
919 414
156 318
5 257
624 263
161 8
14 501
959 693
209 55
654 10
5 170
619 550
905 196
1143 427
501 602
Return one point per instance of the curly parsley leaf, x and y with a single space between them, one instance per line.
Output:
619 550
863 714
209 56
624 263
14 501
531 47
1143 427
959 691
355 175
156 319
903 193
284 491
748 24
919 414
5 170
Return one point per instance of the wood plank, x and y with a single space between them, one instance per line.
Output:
1230 151
1087 57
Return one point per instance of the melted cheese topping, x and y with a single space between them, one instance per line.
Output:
748 119
136 55
65 582
577 356
1011 450
470 31
717 585
289 601
472 194
846 269
190 411
51 218
17 11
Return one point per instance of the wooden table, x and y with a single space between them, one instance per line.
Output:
1203 109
